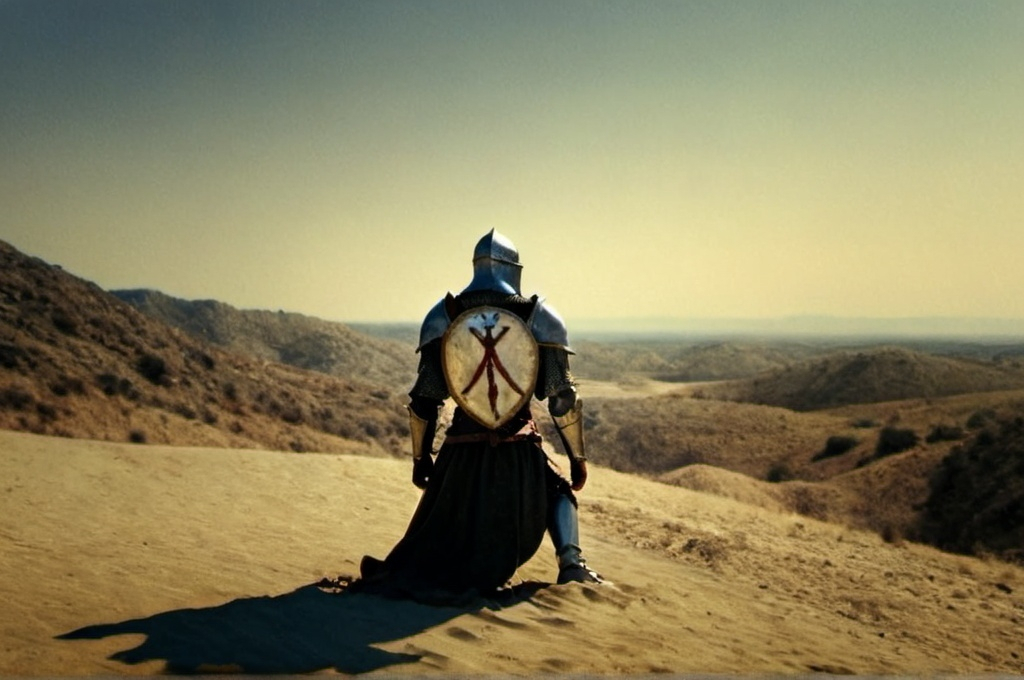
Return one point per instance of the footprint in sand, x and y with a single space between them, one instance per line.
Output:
609 594
491 617
462 634
556 621
427 657
557 665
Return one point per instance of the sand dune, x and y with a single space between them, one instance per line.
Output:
122 559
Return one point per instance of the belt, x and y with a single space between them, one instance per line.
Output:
527 433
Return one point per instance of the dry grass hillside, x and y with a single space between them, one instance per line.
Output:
869 376
778 458
660 433
682 360
977 495
77 362
284 337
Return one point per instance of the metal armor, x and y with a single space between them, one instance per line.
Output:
570 430
495 265
418 429
492 363
547 326
545 323
496 268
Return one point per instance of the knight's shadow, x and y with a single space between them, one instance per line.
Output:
309 629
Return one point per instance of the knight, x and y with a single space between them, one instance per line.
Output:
490 492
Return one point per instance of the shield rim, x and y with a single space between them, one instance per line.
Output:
456 395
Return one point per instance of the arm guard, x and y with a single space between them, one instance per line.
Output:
421 429
570 430
418 429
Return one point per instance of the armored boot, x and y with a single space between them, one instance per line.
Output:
564 528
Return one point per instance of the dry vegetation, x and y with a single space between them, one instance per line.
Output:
869 466
870 376
848 436
659 434
977 499
684 361
283 337
77 362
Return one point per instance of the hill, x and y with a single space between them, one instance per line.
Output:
782 459
870 376
284 337
76 361
685 360
976 500
148 560
660 433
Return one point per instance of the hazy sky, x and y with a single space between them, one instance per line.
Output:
670 159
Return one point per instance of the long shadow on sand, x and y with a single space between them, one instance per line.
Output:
308 629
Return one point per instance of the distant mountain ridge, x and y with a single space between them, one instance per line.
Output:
873 328
77 361
286 337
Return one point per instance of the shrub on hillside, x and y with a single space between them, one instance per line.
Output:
894 440
976 502
779 472
64 386
292 414
981 418
836 445
11 355
47 413
204 359
112 385
152 368
15 399
64 323
185 411
945 433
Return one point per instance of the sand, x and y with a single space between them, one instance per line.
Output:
132 559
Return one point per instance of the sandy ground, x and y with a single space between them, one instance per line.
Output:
120 559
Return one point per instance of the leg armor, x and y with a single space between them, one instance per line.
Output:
564 527
565 531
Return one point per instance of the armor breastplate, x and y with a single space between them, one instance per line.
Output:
490 361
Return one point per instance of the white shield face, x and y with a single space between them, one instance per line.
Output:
490 361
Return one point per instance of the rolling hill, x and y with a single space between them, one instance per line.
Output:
75 361
283 337
870 376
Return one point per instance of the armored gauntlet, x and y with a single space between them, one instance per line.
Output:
570 429
421 431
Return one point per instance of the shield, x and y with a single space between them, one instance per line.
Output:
490 361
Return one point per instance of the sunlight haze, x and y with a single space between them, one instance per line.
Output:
681 160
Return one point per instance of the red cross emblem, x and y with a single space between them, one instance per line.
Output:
491 343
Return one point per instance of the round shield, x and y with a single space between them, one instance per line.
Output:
490 361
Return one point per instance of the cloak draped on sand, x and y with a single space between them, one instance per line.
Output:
481 517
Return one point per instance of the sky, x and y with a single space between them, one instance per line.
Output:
649 159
